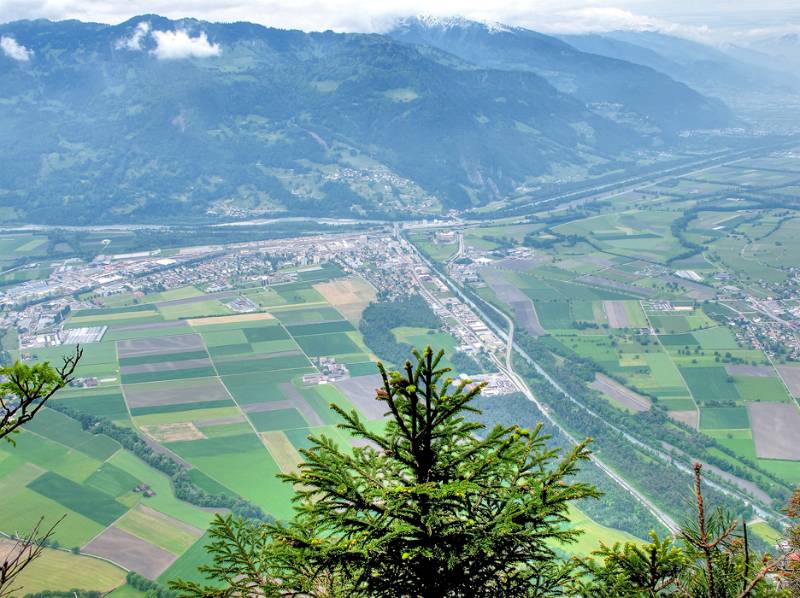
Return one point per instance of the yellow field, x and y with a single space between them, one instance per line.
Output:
159 529
283 451
235 319
173 432
58 570
349 295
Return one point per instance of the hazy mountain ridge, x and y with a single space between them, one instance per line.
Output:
99 128
652 97
708 69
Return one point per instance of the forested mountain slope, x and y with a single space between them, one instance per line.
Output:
156 120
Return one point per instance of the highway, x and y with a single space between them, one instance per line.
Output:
620 187
508 369
506 366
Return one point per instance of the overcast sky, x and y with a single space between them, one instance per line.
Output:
717 19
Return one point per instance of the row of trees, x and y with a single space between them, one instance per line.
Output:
573 372
152 589
183 485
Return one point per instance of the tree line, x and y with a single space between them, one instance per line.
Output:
185 488
381 316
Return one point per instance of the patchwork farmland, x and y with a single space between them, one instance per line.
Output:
670 352
232 397
675 294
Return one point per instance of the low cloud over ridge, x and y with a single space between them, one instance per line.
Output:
172 45
169 45
15 50
134 42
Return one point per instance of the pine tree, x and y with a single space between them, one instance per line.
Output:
711 558
429 505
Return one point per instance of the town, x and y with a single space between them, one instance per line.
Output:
37 310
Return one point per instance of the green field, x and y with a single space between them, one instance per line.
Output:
593 534
85 500
718 338
753 388
186 566
257 387
279 419
265 333
161 357
255 479
112 480
181 407
99 403
262 364
210 484
765 532
306 315
554 314
686 339
163 375
196 309
186 415
320 328
788 470
156 529
333 343
127 299
47 454
66 431
717 418
23 508
58 570
710 384
739 441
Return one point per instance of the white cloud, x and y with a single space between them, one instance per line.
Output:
15 50
763 33
134 42
171 45
681 17
599 19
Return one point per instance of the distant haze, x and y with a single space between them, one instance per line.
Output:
711 20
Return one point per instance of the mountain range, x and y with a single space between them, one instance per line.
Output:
620 89
158 120
741 77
